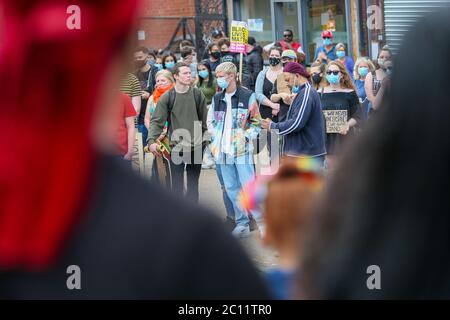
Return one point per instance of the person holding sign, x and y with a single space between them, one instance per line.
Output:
228 56
303 129
341 108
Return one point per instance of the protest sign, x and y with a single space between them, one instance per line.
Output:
335 120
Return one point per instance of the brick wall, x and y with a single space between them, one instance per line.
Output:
157 31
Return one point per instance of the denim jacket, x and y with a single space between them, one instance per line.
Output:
245 122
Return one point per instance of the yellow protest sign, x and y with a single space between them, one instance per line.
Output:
238 36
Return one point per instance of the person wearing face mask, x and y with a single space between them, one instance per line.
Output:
385 86
302 131
317 72
169 61
227 56
207 84
327 51
181 112
158 63
213 56
339 95
146 75
363 67
343 58
281 93
374 78
264 89
265 84
164 82
233 122
151 58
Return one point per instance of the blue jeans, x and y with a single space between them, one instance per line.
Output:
236 172
143 129
227 202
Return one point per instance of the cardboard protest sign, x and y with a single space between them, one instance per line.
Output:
239 36
138 154
335 120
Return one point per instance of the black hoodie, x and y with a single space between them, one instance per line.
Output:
254 64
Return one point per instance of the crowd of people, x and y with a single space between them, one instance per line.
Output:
285 107
211 114
362 179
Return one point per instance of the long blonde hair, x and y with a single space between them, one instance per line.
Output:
345 81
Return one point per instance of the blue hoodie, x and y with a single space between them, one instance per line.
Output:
303 130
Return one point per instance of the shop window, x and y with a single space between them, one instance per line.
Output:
325 15
257 14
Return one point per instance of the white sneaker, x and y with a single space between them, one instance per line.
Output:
262 230
241 231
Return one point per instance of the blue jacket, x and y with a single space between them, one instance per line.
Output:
303 131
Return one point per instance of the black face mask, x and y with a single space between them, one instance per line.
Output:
274 61
139 63
316 78
215 55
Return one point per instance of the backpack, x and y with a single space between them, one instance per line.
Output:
172 95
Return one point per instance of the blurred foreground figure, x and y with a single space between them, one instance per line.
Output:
384 233
73 222
286 199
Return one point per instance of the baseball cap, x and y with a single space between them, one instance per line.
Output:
327 34
289 53
216 33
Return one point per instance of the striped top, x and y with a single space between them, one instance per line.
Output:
130 85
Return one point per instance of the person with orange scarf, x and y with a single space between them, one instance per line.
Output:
160 167
164 82
75 221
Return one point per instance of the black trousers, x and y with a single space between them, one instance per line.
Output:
192 165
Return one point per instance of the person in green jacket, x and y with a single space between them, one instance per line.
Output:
206 81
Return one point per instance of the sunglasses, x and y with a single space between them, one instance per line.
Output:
333 72
326 38
287 35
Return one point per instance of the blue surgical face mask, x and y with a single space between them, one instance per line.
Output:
340 54
159 66
203 74
327 41
222 82
333 79
363 71
151 62
170 64
295 89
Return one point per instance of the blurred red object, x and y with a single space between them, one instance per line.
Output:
50 83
